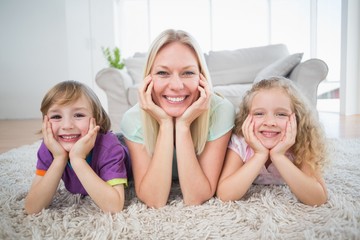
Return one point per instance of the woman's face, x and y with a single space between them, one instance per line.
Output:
71 122
271 110
175 74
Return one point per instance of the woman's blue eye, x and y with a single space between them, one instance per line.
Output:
189 73
161 73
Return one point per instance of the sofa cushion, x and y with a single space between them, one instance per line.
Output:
281 67
132 94
307 75
233 93
135 67
242 65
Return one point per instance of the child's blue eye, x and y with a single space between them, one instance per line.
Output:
55 117
79 115
282 115
258 114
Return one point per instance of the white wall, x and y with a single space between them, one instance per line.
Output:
90 26
350 58
45 42
33 54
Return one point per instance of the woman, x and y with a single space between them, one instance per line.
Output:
179 129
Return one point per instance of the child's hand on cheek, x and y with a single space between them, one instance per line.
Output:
251 138
50 142
288 138
82 147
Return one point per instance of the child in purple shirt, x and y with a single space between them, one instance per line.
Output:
78 148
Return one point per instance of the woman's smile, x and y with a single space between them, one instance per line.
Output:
175 99
176 78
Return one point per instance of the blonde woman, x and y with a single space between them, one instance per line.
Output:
277 140
179 129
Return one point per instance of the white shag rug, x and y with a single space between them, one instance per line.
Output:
266 212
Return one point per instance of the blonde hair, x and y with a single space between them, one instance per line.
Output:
310 143
67 92
199 128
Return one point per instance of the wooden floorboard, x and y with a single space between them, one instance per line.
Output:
15 133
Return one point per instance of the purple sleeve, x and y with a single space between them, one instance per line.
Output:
112 157
45 158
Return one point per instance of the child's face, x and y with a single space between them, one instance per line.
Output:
176 77
271 110
70 122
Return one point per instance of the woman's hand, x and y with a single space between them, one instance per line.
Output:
82 147
250 137
146 102
199 106
288 138
51 143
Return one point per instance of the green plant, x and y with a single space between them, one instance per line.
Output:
113 57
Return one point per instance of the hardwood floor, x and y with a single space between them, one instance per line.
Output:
339 126
15 133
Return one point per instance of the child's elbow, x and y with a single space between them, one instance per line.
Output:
114 209
225 196
319 200
29 209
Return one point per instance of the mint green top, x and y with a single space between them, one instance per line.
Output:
222 116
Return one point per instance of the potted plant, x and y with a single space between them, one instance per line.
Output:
113 57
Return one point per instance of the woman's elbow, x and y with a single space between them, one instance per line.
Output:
197 200
193 202
153 202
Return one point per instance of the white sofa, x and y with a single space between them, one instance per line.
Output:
232 73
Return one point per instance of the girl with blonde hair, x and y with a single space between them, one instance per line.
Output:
277 139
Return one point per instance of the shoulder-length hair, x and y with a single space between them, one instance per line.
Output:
310 143
67 92
199 128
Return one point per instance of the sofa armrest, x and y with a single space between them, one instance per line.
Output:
115 83
307 75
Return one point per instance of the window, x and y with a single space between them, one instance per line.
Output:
238 24
308 26
328 49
